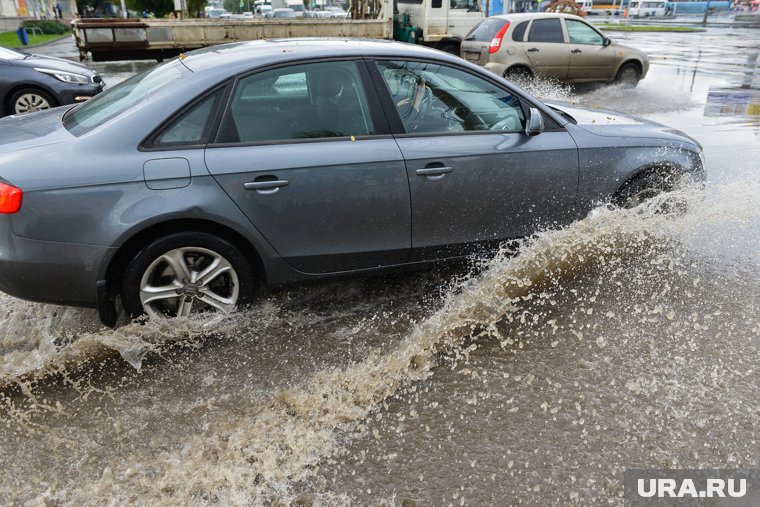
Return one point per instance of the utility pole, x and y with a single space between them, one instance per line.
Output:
707 13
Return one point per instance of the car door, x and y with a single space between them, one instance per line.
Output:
300 152
546 49
475 176
590 56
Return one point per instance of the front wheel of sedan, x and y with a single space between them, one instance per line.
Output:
628 75
30 100
644 188
185 274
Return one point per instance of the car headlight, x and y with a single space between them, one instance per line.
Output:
66 77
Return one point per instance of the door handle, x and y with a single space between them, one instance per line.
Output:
434 173
532 50
576 51
266 186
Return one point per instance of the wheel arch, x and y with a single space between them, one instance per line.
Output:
638 63
663 169
27 85
517 67
129 248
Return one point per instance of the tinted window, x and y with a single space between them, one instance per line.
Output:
468 5
434 98
297 102
580 33
546 30
192 127
436 4
518 34
486 30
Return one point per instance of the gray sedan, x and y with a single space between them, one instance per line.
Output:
270 162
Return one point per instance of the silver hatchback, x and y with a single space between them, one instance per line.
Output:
559 46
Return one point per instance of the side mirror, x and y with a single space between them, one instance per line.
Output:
607 41
535 123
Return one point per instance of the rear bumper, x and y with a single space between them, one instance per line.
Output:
49 272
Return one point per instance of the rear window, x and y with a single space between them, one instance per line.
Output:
518 35
486 29
122 97
546 30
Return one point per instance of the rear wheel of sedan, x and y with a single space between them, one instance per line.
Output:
185 274
628 75
30 100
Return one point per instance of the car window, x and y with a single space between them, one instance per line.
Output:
546 30
435 98
580 33
486 30
10 54
193 126
316 100
468 5
518 34
122 97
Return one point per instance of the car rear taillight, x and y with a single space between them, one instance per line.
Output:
10 198
496 41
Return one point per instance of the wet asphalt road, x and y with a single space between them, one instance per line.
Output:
402 390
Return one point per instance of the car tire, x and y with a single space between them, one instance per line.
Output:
628 75
643 188
29 100
519 74
187 273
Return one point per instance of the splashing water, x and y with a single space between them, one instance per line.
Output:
255 454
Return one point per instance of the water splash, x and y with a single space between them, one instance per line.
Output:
255 457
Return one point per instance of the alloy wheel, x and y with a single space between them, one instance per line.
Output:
189 280
30 102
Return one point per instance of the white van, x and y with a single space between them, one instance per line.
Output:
645 9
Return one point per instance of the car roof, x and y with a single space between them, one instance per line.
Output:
237 57
524 16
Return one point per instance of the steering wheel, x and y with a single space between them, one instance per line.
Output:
417 107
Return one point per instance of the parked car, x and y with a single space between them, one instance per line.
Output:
277 161
30 82
281 13
559 46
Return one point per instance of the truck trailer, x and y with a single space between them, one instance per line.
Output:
440 24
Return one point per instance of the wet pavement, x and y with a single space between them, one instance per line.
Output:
627 340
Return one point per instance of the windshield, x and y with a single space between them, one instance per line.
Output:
122 97
10 54
468 5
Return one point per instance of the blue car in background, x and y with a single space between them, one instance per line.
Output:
30 82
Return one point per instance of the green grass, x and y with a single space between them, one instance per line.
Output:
646 28
10 39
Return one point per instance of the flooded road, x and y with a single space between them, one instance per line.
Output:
627 340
